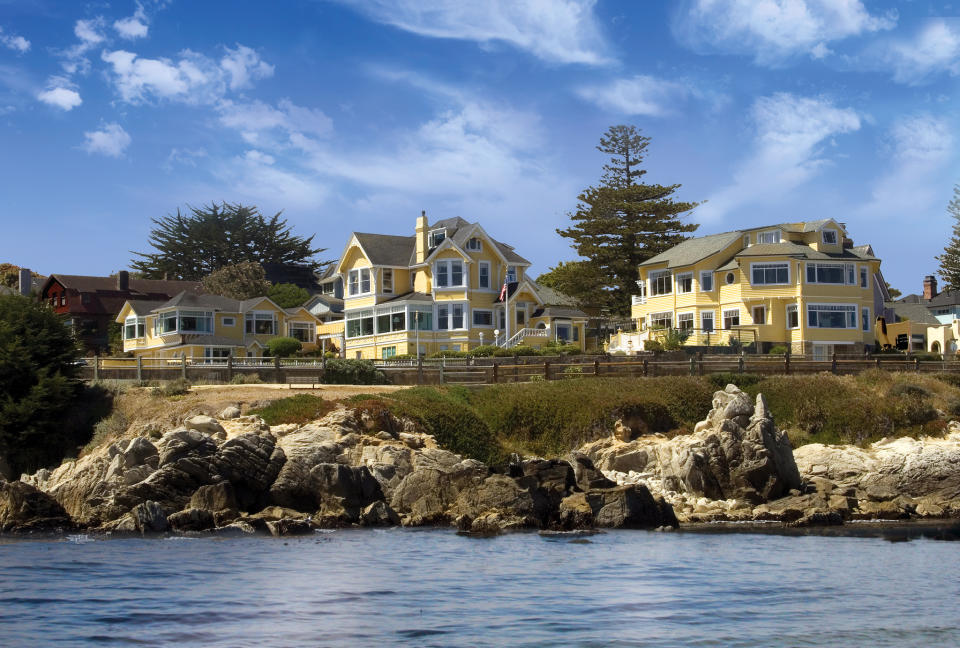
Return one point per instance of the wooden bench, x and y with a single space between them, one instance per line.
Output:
304 381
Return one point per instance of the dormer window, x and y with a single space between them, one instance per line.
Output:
829 237
436 237
773 236
474 245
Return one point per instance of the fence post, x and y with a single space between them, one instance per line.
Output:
546 370
878 362
740 363
442 365
786 361
646 368
693 365
596 368
916 363
277 378
139 368
183 366
495 372
833 362
96 368
700 363
516 369
419 369
230 366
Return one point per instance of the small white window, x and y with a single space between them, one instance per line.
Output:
865 318
731 318
746 240
685 321
511 273
660 283
387 280
229 321
793 317
474 245
359 281
706 321
772 236
863 276
759 314
684 283
437 237
706 280
830 237
483 274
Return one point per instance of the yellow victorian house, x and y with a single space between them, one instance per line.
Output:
804 286
442 289
211 328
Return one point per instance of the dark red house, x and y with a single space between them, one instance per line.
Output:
92 303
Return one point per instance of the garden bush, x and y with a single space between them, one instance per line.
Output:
342 371
283 347
177 387
447 353
299 409
778 349
721 379
483 351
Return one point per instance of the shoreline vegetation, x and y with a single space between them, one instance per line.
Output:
798 451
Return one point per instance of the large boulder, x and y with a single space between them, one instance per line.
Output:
191 519
251 463
629 507
426 494
513 505
342 492
23 508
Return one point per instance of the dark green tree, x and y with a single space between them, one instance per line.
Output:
192 245
950 259
623 222
237 281
580 280
288 295
38 385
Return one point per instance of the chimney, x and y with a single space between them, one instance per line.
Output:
421 230
929 287
123 281
26 282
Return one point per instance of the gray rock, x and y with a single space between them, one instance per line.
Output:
24 508
629 507
379 514
289 527
148 517
229 412
177 444
251 462
205 424
214 497
191 519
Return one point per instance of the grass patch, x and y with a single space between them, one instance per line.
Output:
301 408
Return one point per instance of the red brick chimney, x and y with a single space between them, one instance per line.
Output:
929 287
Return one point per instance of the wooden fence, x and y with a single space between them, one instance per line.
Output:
486 371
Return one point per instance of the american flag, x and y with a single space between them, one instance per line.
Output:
503 291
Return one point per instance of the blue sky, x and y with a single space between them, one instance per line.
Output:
356 114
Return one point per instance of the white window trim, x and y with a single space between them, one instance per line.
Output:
489 286
253 314
360 292
493 318
864 275
777 264
855 307
652 277
760 235
479 247
658 315
823 237
723 317
466 316
865 310
753 318
311 338
713 319
430 237
693 319
207 315
795 308
846 266
676 282
713 283
449 264
383 280
136 322
232 321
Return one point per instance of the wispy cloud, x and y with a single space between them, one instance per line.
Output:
786 152
17 43
193 78
60 93
647 95
110 140
773 31
558 31
134 26
919 148
933 50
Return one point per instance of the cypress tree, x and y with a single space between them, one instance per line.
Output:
950 259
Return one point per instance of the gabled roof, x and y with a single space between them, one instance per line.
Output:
211 302
560 312
946 298
553 297
85 283
693 250
335 304
800 251
386 249
913 312
142 307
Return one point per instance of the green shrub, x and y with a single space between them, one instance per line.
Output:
927 357
559 348
536 378
524 350
107 430
283 347
402 356
341 371
952 379
721 379
177 387
447 353
674 339
300 409
246 379
908 390
573 370
483 351
649 345
778 349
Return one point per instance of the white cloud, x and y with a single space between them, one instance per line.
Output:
790 132
559 31
919 149
255 118
185 157
646 95
773 30
90 33
194 78
60 94
934 49
134 26
244 65
17 43
110 140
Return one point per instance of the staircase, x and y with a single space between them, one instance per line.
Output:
520 336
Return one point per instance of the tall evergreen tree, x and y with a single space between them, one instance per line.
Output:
191 246
950 259
623 222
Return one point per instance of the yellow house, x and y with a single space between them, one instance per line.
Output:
210 327
442 289
800 285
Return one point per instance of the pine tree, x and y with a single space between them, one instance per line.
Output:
191 246
950 259
623 222
237 281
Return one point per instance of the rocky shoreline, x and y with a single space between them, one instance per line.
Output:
235 475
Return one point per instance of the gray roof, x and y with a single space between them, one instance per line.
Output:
386 249
410 296
695 249
191 300
560 312
946 298
335 304
788 248
913 312
806 226
143 307
553 297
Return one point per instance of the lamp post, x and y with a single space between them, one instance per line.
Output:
496 336
416 318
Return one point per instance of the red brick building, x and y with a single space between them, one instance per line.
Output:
92 303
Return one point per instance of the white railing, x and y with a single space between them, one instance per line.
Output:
524 333
637 299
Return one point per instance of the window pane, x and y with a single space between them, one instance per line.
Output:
383 324
442 279
456 273
366 326
457 317
443 318
398 322
484 275
365 281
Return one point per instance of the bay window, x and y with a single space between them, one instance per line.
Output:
391 319
706 280
196 322
421 318
684 283
762 274
660 283
260 323
685 321
358 281
134 327
661 320
304 331
167 323
448 273
831 273
449 316
359 323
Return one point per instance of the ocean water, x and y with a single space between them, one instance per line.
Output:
403 587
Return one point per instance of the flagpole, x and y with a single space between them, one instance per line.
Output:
506 313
